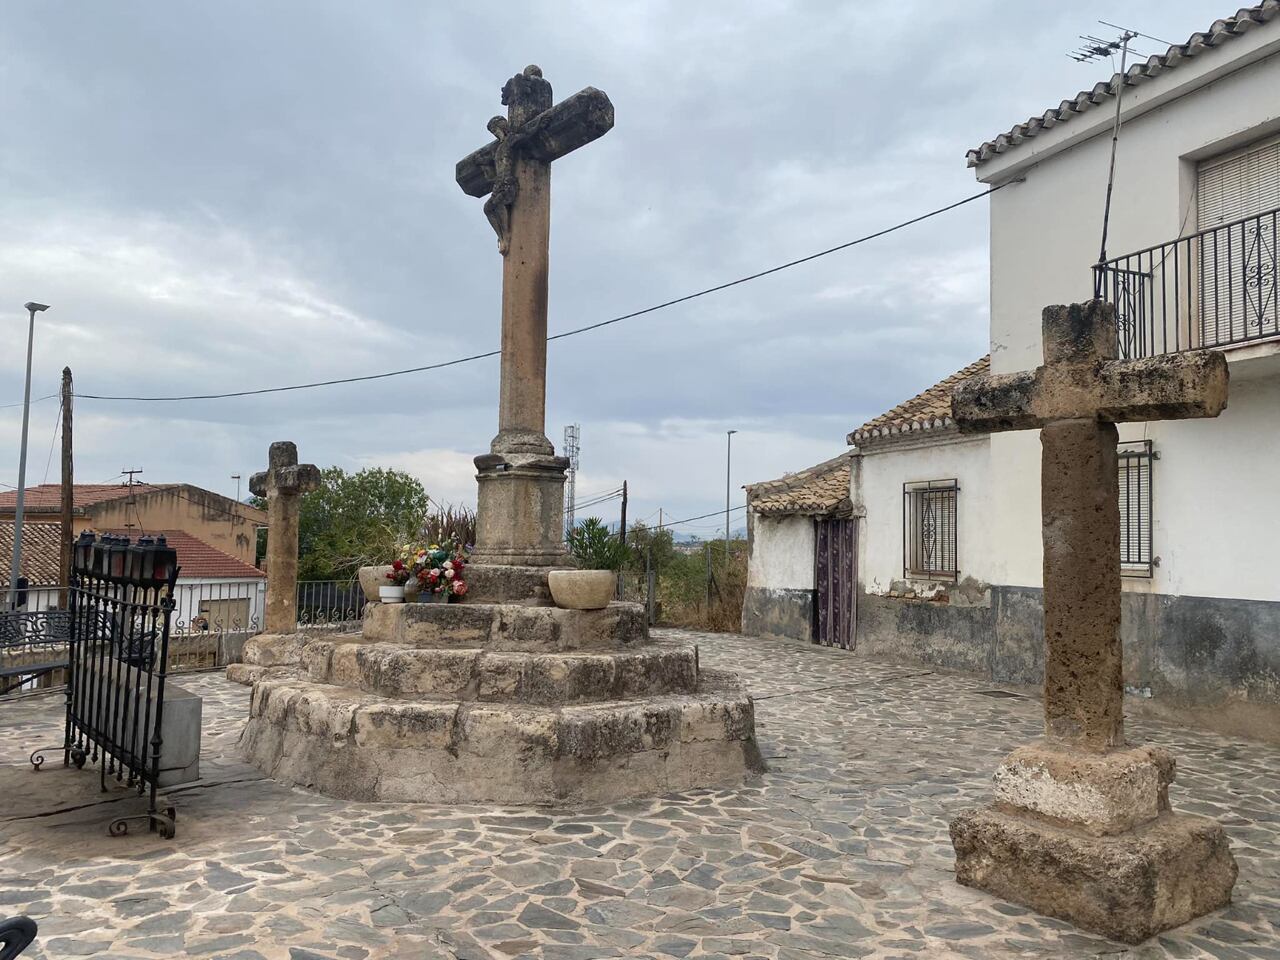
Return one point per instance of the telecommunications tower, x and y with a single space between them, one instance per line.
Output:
572 438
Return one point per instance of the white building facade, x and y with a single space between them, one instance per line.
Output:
949 526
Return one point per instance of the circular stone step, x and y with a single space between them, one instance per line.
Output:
397 671
510 627
361 746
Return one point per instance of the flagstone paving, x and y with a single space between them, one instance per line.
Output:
841 850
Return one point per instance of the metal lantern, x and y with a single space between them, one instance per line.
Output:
83 551
117 558
136 562
163 563
100 555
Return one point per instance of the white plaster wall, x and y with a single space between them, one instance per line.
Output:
1213 525
882 476
781 553
1045 232
191 592
1216 523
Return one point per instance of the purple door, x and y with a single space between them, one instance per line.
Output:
836 576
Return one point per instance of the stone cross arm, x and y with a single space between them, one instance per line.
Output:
1081 379
284 475
1174 387
561 129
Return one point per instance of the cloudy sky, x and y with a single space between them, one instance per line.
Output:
217 197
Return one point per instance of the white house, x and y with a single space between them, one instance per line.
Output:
948 565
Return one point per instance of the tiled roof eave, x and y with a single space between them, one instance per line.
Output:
912 428
1219 32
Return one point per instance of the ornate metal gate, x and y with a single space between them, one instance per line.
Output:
836 576
121 601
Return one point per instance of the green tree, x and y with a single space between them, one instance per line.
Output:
354 519
657 543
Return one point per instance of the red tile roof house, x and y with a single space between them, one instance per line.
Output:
219 598
218 521
946 558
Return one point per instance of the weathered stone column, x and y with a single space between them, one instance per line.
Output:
283 483
1083 678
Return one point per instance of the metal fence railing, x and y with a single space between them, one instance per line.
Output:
210 625
1215 288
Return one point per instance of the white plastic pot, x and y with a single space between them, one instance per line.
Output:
391 594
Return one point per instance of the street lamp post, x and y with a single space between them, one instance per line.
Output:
15 568
728 465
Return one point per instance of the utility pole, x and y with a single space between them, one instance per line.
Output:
622 534
728 466
68 492
132 501
15 570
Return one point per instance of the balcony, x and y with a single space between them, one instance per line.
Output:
1216 288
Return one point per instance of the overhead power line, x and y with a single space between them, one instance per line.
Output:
6 406
713 513
568 333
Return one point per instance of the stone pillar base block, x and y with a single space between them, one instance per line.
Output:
1127 887
500 583
1098 793
520 511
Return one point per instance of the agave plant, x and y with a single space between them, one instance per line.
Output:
595 548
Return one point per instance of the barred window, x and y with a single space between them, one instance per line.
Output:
1136 559
929 529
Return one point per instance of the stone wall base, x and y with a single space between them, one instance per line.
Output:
775 612
1127 887
1214 657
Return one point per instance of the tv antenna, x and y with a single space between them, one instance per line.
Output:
1095 48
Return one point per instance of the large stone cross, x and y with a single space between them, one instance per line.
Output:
282 484
1076 398
521 479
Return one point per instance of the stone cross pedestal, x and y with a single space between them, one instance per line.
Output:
1081 828
282 484
521 497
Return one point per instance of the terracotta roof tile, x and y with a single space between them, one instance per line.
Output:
1218 33
818 491
39 552
928 410
197 559
48 496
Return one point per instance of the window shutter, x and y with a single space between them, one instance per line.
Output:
1135 508
1244 183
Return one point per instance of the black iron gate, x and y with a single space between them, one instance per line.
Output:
121 601
836 576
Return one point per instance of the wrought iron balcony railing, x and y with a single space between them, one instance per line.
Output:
1215 288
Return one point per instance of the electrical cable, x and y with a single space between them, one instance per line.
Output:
568 333
57 425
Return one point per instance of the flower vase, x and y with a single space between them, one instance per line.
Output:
391 594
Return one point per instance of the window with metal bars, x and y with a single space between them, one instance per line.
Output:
929 529
1136 557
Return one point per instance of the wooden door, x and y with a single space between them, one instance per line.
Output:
836 575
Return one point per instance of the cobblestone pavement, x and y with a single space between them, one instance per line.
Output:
841 850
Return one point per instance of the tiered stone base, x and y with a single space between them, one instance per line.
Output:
1090 838
509 703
